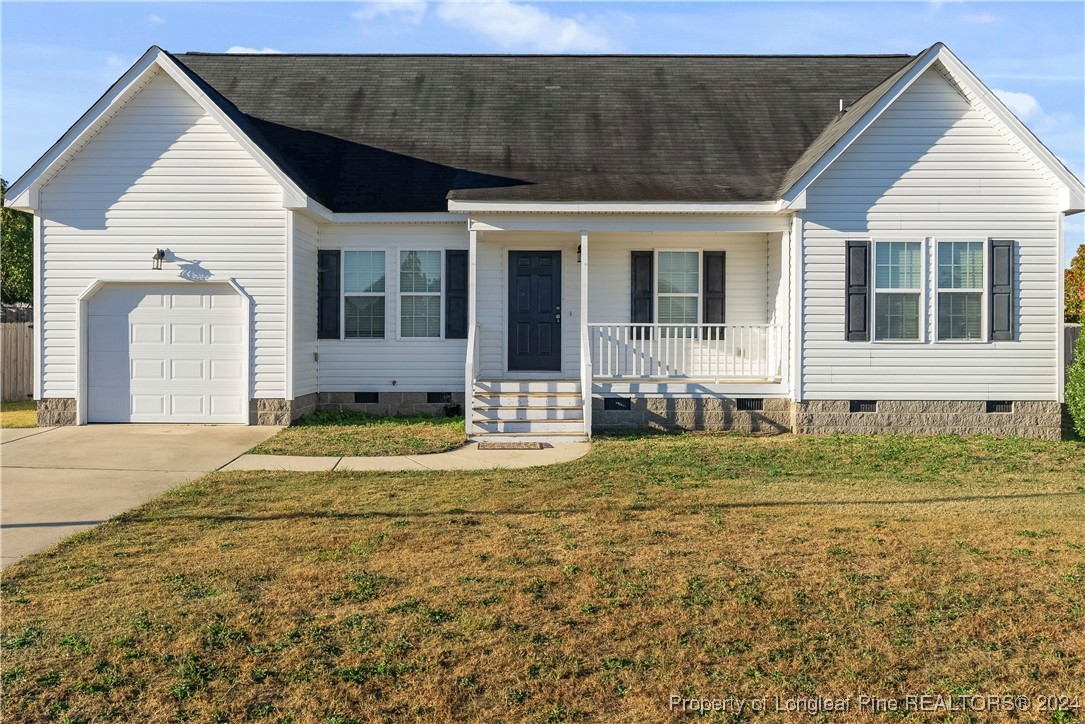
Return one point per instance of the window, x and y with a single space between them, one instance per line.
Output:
960 311
420 293
363 294
898 281
678 288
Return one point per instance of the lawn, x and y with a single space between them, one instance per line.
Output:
690 565
357 434
19 414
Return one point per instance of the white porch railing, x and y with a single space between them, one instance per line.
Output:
470 374
717 352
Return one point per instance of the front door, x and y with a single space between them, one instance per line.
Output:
535 310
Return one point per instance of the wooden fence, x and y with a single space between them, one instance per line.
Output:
1072 332
17 359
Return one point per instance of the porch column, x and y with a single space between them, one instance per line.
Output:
585 345
470 372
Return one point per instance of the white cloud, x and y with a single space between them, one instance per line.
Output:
524 27
410 11
252 51
1024 105
157 19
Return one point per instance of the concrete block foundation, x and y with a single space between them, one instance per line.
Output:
56 411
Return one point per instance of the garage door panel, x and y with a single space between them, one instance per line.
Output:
110 370
187 333
226 370
225 334
188 405
226 405
148 370
166 353
147 332
106 333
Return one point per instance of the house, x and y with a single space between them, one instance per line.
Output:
558 244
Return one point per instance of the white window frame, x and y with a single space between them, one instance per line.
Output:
984 301
924 272
343 296
400 294
698 294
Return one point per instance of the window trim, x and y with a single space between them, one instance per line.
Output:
924 275
984 337
400 337
699 295
343 296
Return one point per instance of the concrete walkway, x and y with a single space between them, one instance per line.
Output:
468 457
61 480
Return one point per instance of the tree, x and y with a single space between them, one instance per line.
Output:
16 252
1075 287
1075 385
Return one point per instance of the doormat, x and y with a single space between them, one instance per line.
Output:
511 446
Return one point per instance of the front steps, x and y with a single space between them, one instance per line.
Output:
527 411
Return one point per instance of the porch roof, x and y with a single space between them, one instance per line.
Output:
380 133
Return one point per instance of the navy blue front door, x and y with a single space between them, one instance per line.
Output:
535 310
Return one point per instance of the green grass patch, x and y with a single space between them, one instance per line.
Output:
19 414
356 434
699 565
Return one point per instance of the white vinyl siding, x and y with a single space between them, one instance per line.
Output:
752 272
493 297
930 166
305 305
163 174
392 364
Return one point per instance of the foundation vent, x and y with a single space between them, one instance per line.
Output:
999 406
616 403
366 398
750 404
863 406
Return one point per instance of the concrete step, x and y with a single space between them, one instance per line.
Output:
508 412
531 399
528 427
528 386
554 438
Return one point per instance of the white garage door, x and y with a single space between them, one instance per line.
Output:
166 353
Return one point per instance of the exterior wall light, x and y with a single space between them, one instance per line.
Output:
156 260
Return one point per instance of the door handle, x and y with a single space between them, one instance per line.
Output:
557 317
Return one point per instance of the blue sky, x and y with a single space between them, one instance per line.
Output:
59 57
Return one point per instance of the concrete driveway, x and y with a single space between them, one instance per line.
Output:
61 480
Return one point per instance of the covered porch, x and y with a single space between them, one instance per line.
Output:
627 308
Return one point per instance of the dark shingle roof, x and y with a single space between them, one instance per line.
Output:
367 133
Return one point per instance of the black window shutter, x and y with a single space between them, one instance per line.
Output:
327 294
1001 312
857 308
714 284
642 286
456 294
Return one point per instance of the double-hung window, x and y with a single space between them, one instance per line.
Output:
960 290
420 288
898 290
363 294
678 289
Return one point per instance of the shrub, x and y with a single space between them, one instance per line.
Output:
1075 387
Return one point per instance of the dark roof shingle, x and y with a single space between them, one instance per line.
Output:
371 133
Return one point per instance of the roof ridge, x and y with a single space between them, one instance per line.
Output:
550 55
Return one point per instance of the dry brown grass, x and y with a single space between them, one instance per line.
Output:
19 414
692 565
357 434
